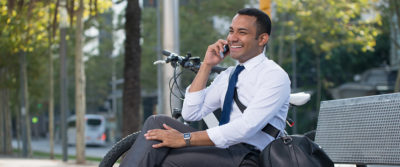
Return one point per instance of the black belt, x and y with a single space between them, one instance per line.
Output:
269 129
252 148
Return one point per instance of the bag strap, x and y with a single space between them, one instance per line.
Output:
241 106
269 129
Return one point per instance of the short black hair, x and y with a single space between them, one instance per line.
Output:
262 19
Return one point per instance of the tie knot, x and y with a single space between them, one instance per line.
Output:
239 69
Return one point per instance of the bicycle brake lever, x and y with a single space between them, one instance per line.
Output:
159 62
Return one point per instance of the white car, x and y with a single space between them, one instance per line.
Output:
95 130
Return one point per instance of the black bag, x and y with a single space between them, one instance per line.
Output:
294 151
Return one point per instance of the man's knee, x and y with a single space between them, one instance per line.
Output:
156 118
155 121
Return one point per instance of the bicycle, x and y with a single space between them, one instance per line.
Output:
193 64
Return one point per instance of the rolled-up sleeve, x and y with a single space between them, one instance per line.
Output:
200 103
194 98
192 104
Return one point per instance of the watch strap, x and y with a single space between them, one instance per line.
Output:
186 137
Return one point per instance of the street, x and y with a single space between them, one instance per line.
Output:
42 145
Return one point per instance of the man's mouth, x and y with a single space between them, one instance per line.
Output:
236 46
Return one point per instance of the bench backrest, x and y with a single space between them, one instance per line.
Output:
364 130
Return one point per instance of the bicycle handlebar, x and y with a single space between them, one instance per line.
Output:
189 62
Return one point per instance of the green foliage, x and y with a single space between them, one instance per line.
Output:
148 71
335 30
326 25
338 32
196 31
26 30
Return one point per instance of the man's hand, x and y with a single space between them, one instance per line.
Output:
169 137
211 59
212 56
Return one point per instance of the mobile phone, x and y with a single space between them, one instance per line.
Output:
226 50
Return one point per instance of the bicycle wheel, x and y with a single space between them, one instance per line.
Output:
118 149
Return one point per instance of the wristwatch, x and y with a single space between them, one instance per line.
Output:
186 137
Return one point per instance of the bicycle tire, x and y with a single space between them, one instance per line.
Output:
118 149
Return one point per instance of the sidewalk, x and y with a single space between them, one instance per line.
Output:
42 145
20 162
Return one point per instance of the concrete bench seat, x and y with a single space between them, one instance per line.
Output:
361 131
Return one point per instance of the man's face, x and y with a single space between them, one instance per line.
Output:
243 41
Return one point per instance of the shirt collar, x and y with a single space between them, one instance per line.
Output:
251 63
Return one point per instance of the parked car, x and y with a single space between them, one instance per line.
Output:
95 130
372 82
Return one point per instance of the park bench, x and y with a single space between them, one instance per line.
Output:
361 131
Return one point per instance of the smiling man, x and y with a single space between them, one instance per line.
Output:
260 86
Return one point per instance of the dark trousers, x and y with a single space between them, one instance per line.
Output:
141 154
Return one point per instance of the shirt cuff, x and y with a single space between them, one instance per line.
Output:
216 137
194 98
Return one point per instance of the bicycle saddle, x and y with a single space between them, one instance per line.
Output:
299 99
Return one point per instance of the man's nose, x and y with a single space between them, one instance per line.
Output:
232 38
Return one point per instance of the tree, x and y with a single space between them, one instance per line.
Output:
356 43
5 114
51 35
131 93
80 83
197 31
22 40
394 7
326 25
19 36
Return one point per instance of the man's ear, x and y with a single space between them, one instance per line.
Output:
263 39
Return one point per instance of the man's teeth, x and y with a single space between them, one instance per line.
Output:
236 46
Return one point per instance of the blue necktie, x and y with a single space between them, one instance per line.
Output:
227 108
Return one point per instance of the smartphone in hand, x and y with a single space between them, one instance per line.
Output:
226 50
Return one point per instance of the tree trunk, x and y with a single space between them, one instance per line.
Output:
396 11
18 127
318 61
5 115
63 78
80 97
8 127
27 117
131 93
5 118
2 117
25 124
51 99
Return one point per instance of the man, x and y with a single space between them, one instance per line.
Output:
261 85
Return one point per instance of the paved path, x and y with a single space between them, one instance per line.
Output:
42 145
19 162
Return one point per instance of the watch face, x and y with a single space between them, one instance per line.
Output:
186 135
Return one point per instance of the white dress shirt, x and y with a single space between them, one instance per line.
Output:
263 86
